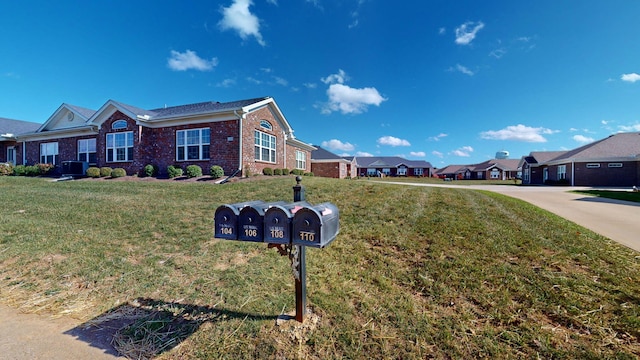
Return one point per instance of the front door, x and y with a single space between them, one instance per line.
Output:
11 155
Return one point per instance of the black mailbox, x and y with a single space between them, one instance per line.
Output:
315 226
251 221
277 222
226 219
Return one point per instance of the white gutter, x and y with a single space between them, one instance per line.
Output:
24 153
573 172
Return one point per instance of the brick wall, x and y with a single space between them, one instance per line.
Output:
627 175
249 125
330 169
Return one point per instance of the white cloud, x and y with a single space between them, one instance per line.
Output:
466 32
518 133
393 141
629 128
498 53
280 81
350 100
464 151
310 85
362 153
437 137
437 153
464 70
238 17
442 31
338 78
633 77
417 154
604 122
335 144
190 60
226 83
583 139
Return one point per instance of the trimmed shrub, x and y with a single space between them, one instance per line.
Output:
277 172
20 170
285 171
150 170
32 170
247 171
43 169
308 174
174 171
267 171
105 171
194 171
297 172
118 172
6 169
216 172
93 172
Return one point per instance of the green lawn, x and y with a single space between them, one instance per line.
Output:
613 194
415 272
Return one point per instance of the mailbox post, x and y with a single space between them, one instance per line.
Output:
299 262
290 228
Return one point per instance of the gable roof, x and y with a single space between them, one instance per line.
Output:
9 128
389 161
617 147
451 169
322 155
541 157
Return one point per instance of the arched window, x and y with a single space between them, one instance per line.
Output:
119 124
266 125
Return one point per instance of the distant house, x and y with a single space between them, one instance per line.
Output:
247 135
388 166
612 161
9 129
495 169
327 164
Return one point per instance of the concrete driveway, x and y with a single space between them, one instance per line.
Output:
614 219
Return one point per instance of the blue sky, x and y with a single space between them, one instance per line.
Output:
450 82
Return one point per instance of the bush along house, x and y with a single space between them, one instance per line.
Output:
240 136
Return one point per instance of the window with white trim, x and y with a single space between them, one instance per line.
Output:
120 146
193 144
402 170
371 172
495 174
386 171
418 171
119 124
615 165
265 124
265 147
49 153
593 166
562 172
87 150
301 160
11 154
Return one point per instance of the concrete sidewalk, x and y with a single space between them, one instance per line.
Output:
35 337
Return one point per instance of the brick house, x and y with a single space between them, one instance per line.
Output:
612 161
327 164
494 169
9 129
245 135
388 166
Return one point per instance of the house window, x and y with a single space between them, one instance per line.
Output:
402 171
119 124
562 172
371 172
526 175
495 174
193 144
593 166
386 171
87 150
120 146
11 155
480 174
418 171
265 147
301 160
49 153
266 125
615 165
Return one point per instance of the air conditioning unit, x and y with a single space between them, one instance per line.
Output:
74 168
